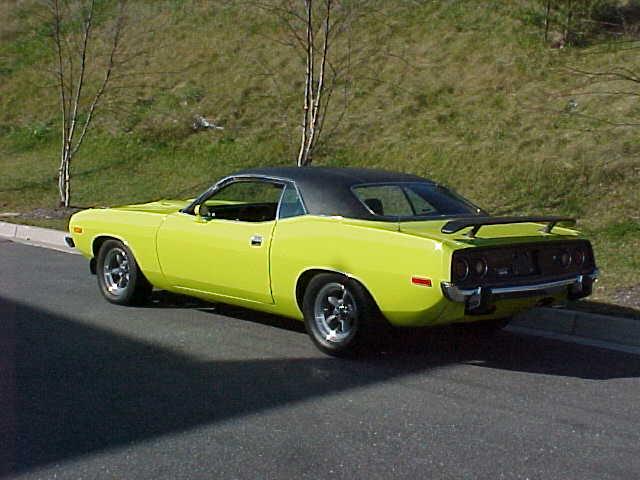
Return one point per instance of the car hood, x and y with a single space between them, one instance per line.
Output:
488 235
164 207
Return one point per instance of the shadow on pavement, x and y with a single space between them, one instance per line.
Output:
68 389
460 344
608 308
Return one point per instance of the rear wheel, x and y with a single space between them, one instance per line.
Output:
119 277
339 314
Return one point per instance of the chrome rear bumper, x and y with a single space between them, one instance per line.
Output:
474 298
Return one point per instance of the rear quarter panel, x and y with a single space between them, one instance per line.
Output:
374 253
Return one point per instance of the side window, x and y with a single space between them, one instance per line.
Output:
244 201
420 205
290 204
384 200
253 191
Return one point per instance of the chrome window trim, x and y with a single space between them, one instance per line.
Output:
416 218
223 182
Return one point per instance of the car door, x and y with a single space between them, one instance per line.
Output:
223 247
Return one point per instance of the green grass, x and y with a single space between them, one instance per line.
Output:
462 92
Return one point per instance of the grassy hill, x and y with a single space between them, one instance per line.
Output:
463 92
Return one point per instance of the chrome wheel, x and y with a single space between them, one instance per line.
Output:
335 313
116 271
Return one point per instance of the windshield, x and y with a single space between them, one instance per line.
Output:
414 200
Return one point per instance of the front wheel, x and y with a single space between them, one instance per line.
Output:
339 314
119 277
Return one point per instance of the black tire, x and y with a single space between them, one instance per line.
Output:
357 318
119 277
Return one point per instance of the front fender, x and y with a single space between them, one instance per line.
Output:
137 230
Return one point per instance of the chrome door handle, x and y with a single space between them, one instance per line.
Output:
256 240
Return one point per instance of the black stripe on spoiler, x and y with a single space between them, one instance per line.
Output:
454 226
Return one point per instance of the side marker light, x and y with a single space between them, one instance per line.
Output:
423 282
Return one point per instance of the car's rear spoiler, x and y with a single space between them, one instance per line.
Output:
454 226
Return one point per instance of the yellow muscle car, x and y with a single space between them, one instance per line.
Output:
345 250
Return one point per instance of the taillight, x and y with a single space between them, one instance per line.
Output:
479 267
563 259
579 257
460 269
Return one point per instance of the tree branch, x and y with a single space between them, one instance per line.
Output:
83 62
325 49
308 92
107 75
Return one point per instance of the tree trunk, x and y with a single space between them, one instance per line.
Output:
567 28
64 177
314 87
308 86
547 21
61 190
67 184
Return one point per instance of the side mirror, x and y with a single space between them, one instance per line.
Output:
202 213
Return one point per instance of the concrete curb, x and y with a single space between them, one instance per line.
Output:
617 330
605 329
39 237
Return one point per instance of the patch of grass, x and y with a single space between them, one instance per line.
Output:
23 52
623 230
24 139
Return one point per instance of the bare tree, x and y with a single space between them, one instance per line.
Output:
619 81
613 20
547 20
318 31
582 22
73 34
314 85
560 13
567 32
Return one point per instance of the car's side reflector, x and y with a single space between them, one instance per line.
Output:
424 282
77 229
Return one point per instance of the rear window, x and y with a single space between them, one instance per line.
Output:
409 200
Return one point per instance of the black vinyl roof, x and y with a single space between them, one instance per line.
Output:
327 190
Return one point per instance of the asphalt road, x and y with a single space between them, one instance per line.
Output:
187 390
